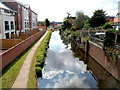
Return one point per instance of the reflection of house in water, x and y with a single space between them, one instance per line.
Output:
105 79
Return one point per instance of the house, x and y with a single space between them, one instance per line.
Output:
7 22
110 19
25 18
117 18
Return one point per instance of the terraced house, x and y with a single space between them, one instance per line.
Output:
24 19
7 22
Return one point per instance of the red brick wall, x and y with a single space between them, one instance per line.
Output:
13 52
98 54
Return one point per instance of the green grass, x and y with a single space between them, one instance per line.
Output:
10 72
38 61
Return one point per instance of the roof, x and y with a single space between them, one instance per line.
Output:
4 7
23 5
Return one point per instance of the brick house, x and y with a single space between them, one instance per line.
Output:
25 18
7 22
117 18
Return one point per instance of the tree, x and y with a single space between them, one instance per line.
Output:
66 24
86 25
107 25
47 22
80 20
98 18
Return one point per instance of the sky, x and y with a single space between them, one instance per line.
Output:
55 10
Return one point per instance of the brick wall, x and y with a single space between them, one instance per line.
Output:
98 54
9 55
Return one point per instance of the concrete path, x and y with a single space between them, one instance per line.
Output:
22 78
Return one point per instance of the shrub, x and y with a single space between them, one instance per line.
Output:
109 39
107 25
38 71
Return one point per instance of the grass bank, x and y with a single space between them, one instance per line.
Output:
10 72
38 61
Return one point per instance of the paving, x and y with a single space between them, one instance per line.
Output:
22 78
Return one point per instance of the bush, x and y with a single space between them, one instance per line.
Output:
107 25
109 39
38 71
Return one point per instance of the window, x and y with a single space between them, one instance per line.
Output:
6 25
12 25
25 25
28 24
7 35
12 32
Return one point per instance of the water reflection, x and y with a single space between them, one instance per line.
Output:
62 69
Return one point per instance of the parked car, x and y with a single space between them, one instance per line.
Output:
40 29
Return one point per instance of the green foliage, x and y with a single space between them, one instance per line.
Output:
86 25
40 54
66 24
80 20
47 22
10 72
38 71
109 39
98 18
38 61
107 26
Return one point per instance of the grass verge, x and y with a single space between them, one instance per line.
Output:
10 72
38 61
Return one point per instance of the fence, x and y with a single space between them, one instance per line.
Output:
8 43
9 55
96 40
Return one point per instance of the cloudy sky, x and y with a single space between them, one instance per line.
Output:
55 10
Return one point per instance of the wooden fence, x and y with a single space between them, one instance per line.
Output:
9 55
8 43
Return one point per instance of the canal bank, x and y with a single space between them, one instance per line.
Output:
108 59
62 69
97 52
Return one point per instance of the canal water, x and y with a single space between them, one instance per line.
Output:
64 68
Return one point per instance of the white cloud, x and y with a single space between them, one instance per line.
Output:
56 10
62 70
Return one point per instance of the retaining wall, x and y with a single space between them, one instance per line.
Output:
98 54
9 55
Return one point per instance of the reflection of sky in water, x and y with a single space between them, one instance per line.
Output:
62 70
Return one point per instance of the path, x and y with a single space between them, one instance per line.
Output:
22 78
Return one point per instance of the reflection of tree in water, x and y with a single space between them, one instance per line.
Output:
66 41
78 52
104 78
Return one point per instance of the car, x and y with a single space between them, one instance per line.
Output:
40 29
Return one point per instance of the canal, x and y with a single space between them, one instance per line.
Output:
66 67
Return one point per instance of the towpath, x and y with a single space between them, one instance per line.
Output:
22 78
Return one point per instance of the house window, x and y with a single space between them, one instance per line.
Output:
12 25
7 35
25 24
12 32
6 25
